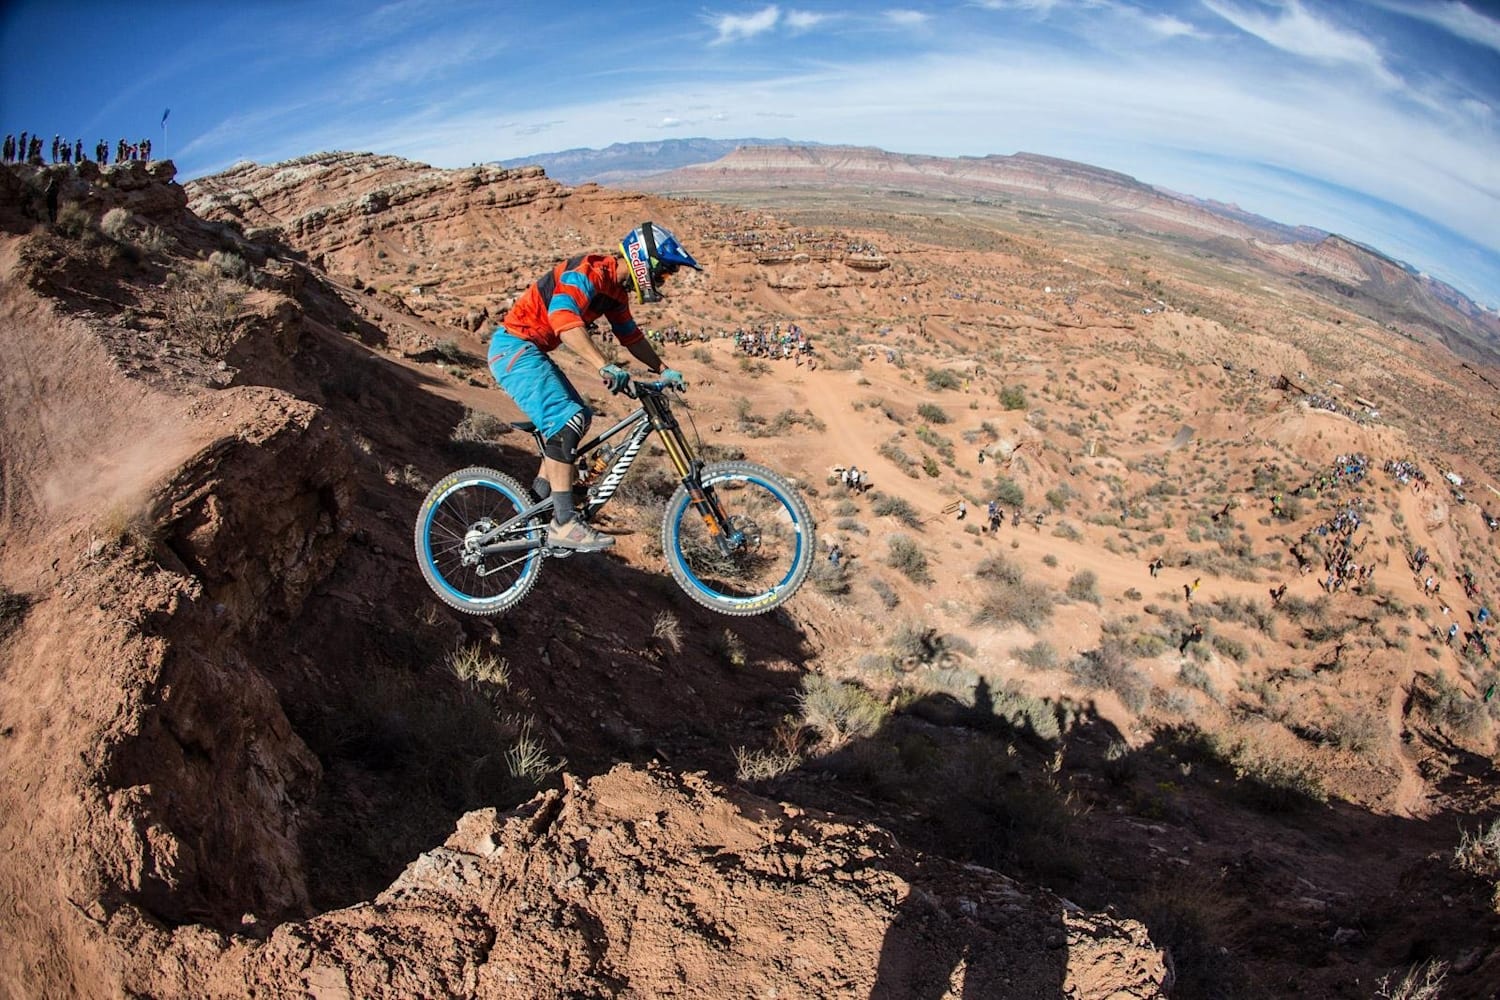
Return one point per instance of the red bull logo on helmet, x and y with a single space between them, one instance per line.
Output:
640 265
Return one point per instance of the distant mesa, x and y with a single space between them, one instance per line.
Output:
1394 294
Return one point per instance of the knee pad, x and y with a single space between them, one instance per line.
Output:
563 446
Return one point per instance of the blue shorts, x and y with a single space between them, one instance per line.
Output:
534 382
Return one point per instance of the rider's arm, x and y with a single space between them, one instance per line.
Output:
646 355
579 342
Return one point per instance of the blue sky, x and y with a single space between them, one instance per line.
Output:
1377 119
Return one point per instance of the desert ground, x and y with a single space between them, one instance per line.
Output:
247 752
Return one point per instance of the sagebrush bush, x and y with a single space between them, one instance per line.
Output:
1009 492
943 378
115 224
840 711
1109 667
900 508
1013 397
1084 586
1026 713
1453 713
932 413
907 557
830 579
887 594
1023 602
230 265
1040 655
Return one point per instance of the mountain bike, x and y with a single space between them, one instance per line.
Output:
737 537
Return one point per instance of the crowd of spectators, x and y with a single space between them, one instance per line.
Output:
28 148
1407 472
776 343
795 241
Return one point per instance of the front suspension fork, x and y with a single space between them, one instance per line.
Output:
703 498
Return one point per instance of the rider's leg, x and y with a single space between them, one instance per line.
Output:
558 455
545 395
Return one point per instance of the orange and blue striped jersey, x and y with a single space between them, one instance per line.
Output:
573 294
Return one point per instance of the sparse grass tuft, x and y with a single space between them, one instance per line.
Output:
667 630
527 757
1423 981
478 427
474 665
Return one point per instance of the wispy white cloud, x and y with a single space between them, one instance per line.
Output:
803 20
1301 33
1458 19
735 27
1042 7
1160 25
907 18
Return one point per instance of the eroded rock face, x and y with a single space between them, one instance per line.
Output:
642 882
357 194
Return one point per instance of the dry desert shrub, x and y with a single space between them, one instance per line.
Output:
667 630
932 413
1110 667
1452 712
1040 655
1361 731
887 594
478 427
764 764
1008 597
840 711
1478 852
1421 982
943 378
203 308
230 265
1084 586
116 224
907 557
899 508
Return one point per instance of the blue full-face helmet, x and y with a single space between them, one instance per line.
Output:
652 253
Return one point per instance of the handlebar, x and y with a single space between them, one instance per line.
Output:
634 387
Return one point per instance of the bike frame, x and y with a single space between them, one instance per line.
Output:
654 415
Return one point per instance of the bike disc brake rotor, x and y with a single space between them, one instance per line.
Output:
473 538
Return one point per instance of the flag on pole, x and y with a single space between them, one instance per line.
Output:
164 115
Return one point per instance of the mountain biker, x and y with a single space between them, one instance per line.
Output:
558 309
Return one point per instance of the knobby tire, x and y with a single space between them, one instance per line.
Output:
761 577
456 503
